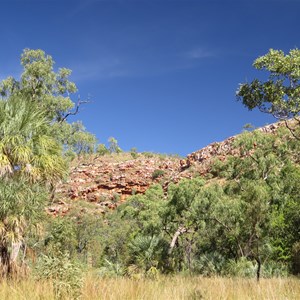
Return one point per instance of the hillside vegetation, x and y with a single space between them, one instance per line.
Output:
83 220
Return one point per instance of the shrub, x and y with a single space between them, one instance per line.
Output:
110 269
274 269
241 268
296 258
116 198
210 264
133 153
148 154
65 275
113 146
102 150
70 155
157 173
61 237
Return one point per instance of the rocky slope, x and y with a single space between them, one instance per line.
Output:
106 181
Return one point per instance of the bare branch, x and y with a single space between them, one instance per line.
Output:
292 131
75 112
221 223
298 120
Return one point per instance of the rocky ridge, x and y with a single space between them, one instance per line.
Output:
106 181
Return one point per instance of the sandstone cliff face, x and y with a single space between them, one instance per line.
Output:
107 181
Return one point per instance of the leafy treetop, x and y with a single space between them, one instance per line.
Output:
280 94
51 91
40 83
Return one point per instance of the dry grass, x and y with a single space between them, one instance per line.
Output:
177 288
165 288
25 290
121 157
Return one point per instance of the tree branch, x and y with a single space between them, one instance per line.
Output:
70 113
291 130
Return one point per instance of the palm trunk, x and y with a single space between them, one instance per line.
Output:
5 260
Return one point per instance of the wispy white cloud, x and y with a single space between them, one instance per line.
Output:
99 69
199 53
121 65
111 68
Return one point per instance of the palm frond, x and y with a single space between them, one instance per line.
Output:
5 165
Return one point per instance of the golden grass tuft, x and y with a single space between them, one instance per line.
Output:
164 288
177 288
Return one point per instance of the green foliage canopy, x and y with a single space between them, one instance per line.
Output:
51 91
280 94
33 135
243 221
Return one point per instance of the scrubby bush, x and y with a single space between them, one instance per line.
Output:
210 264
133 153
148 154
157 173
65 275
102 150
111 269
240 268
114 146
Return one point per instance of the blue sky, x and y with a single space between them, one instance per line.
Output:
161 74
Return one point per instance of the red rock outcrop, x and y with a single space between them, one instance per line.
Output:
107 181
205 156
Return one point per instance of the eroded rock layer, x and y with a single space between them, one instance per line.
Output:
107 181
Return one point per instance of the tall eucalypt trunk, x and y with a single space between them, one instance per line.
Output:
258 260
179 231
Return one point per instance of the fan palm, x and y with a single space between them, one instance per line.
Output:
26 147
21 205
30 158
